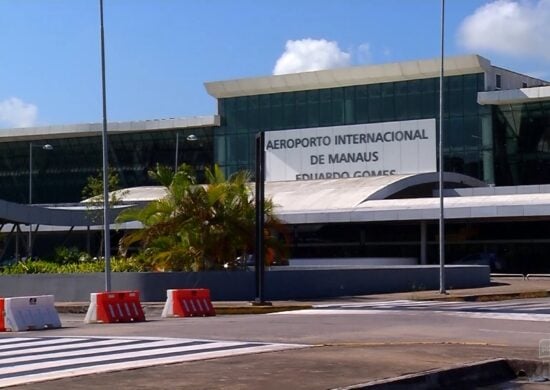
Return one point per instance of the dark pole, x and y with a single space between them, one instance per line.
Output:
441 182
260 211
105 147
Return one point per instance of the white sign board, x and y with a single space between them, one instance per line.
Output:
375 149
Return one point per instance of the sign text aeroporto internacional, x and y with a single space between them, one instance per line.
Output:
378 149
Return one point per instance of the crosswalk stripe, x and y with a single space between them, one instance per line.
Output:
54 341
504 316
80 347
96 350
57 359
516 310
533 309
168 350
15 340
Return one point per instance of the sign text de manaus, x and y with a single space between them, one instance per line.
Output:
376 149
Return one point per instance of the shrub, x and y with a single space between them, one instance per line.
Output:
86 266
67 255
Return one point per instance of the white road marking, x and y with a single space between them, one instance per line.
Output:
516 310
511 331
61 357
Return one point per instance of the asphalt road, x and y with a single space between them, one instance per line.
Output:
346 344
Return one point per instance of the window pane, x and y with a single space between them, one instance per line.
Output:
388 109
349 105
301 109
337 106
375 104
289 110
325 107
277 117
362 104
313 108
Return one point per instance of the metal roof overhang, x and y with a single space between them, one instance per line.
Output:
514 96
366 200
92 129
312 195
518 206
77 215
342 77
340 201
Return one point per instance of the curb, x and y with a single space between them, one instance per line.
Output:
471 375
225 310
467 376
82 308
488 297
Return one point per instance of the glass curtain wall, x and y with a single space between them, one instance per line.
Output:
59 175
522 143
243 117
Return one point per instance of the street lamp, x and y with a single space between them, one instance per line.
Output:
43 147
190 138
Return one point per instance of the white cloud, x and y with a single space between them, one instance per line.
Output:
364 53
516 28
16 113
311 54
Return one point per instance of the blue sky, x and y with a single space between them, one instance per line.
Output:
159 52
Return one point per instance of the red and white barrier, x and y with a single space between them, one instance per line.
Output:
2 314
188 303
115 306
29 313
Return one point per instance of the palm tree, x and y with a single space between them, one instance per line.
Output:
199 227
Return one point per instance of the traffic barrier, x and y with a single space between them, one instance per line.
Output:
115 306
2 326
29 313
188 303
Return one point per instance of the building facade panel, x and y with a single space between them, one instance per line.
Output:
244 116
60 174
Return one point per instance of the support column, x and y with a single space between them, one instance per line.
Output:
423 242
487 150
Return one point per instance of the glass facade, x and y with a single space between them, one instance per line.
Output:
522 143
243 117
59 175
521 246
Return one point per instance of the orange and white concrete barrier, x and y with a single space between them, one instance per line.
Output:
2 314
115 306
28 313
188 303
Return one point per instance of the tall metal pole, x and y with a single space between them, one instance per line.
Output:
29 244
105 147
260 210
441 197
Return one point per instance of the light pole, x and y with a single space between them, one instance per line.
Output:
190 138
44 147
105 148
441 205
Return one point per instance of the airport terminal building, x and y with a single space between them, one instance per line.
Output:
351 158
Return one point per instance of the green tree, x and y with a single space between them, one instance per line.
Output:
93 190
198 227
92 194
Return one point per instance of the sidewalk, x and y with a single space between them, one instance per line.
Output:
501 288
320 367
